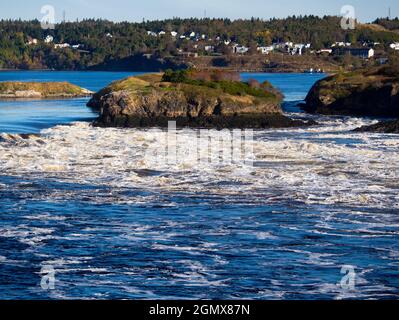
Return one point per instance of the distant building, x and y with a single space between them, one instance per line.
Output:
162 33
49 39
365 53
341 44
209 48
62 45
266 50
152 33
108 35
325 51
192 34
32 41
240 49
174 34
394 46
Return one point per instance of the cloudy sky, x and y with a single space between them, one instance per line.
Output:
133 10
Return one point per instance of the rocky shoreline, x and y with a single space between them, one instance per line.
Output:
370 93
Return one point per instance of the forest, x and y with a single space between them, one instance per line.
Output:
98 42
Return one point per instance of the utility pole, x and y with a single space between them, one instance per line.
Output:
389 13
64 16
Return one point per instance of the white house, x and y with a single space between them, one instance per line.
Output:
394 46
203 37
182 37
152 33
162 33
209 48
266 50
329 51
61 45
108 35
49 39
240 49
32 42
174 34
192 34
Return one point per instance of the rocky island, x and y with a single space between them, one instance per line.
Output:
194 98
41 90
371 92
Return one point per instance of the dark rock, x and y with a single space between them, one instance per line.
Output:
381 127
362 93
145 101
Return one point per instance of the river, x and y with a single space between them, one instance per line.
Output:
316 206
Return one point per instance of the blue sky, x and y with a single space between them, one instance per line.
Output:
133 10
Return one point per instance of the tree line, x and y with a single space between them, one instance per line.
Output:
103 41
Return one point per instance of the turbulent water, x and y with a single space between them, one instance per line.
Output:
115 222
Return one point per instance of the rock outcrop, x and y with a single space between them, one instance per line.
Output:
146 101
382 127
41 90
362 93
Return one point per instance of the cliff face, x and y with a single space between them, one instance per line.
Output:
364 93
147 101
41 90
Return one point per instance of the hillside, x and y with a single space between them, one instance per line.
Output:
101 44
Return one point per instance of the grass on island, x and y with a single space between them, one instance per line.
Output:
209 83
46 89
225 81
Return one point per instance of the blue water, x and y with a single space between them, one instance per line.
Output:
33 116
117 225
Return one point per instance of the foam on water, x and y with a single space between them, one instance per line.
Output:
117 221
327 164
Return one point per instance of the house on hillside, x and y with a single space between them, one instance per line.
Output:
240 49
341 44
152 33
325 51
365 53
62 45
174 34
394 46
266 50
49 39
32 41
209 49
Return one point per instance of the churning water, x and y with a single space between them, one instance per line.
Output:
116 223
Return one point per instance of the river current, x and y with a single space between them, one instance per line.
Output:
114 222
